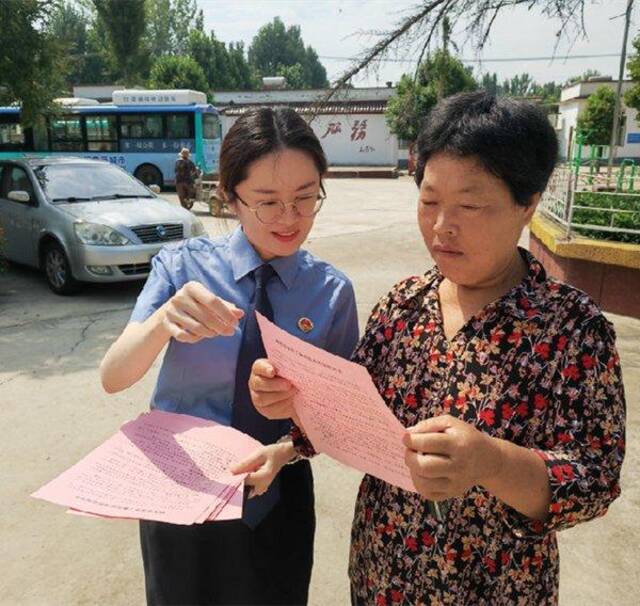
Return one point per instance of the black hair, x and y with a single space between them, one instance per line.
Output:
512 139
261 131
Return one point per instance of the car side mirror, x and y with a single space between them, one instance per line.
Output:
19 196
155 188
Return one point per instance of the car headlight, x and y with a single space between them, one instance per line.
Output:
197 229
99 235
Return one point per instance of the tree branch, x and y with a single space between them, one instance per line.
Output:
384 44
481 15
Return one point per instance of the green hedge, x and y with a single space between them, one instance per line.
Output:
599 217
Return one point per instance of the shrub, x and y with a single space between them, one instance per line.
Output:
605 218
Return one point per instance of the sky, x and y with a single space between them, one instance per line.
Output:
337 30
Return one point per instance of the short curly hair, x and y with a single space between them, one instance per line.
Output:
512 139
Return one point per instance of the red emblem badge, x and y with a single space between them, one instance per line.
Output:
305 325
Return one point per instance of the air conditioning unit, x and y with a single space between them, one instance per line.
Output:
274 82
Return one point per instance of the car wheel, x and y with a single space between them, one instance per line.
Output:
58 271
149 175
188 203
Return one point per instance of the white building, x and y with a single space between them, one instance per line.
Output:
351 126
573 101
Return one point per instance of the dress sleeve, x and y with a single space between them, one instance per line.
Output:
585 445
158 289
373 346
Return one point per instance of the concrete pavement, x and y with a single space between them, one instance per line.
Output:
53 412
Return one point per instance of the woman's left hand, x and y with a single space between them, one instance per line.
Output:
447 456
263 466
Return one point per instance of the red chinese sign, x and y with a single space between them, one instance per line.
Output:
333 129
359 130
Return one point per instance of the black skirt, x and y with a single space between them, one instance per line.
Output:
227 563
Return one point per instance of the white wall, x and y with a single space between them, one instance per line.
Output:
568 118
356 139
347 142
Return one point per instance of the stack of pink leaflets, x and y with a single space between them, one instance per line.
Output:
162 466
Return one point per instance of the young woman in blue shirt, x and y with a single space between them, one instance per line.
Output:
199 301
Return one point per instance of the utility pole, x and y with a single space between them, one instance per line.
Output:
616 111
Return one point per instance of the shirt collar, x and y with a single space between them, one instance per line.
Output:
536 275
523 299
244 259
518 301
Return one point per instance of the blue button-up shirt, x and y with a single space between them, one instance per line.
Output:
199 379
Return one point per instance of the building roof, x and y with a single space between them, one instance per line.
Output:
585 88
365 107
346 95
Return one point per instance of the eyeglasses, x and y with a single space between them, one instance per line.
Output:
273 210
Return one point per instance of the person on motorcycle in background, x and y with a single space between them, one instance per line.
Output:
186 174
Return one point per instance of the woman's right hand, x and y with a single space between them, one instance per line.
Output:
264 465
271 395
195 313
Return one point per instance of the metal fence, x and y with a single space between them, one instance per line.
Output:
578 202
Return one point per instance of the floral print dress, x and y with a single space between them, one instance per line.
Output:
539 368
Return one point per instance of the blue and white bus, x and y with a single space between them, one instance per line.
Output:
142 131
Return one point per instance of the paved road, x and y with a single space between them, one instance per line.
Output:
53 412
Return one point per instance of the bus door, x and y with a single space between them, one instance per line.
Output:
210 128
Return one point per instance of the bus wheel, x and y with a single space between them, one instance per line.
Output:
149 175
58 271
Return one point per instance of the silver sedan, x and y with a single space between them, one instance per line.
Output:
84 221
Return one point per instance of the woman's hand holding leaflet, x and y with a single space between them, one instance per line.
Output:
263 466
271 395
447 456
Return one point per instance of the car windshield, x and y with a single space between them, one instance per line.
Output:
82 182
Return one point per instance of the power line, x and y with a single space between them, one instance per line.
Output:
495 60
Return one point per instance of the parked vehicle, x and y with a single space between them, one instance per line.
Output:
82 220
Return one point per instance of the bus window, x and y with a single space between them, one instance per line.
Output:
102 134
210 126
11 134
141 126
66 134
179 126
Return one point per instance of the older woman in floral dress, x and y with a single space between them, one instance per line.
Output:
508 382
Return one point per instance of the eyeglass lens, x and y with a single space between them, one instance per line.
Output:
270 212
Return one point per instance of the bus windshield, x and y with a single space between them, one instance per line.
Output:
210 126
